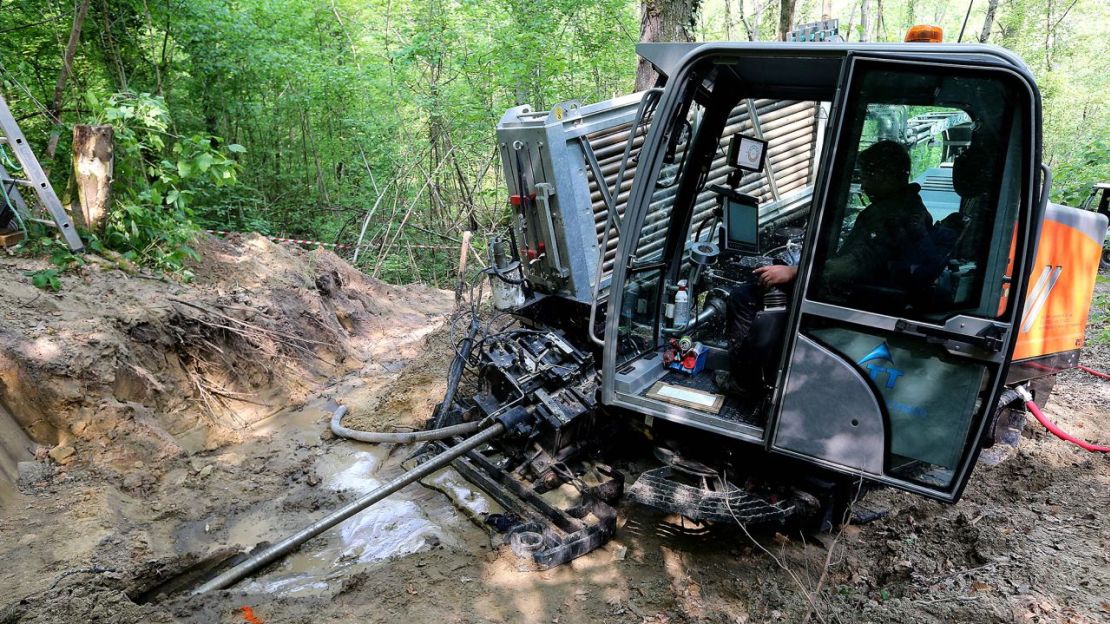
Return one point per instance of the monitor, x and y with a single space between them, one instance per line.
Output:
741 223
747 153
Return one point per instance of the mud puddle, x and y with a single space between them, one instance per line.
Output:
411 521
443 512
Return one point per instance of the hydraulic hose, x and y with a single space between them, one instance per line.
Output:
291 543
406 437
454 374
1056 431
1094 372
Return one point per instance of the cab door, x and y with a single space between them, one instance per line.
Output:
914 274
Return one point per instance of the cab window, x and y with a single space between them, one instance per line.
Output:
914 223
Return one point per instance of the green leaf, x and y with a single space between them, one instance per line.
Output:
172 196
204 161
236 148
46 279
184 168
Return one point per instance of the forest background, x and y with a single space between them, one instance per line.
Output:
308 118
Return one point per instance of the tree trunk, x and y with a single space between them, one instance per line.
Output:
786 18
92 171
112 47
663 21
67 66
728 19
988 21
865 21
752 26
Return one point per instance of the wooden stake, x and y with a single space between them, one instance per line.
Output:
462 266
92 168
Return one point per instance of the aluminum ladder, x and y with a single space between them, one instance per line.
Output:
12 137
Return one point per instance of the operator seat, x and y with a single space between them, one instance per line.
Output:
943 263
973 177
754 361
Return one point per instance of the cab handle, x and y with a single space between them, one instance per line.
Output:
988 339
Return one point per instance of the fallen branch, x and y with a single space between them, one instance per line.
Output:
810 598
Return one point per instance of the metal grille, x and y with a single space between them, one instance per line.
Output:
789 127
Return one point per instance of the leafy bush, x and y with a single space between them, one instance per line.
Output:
160 180
1073 179
1099 322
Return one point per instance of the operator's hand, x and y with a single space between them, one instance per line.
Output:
775 274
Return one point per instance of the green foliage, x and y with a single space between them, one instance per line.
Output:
160 177
60 256
1099 323
46 279
1073 178
347 104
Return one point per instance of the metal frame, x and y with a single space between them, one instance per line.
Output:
558 139
566 537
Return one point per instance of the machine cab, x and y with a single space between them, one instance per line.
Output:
825 249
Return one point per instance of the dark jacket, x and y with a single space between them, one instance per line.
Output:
886 234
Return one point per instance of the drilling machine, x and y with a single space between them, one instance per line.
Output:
639 223
635 221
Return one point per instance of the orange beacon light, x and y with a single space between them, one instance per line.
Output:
924 33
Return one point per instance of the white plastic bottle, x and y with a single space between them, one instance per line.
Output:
681 305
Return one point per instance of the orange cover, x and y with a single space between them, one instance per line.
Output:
1061 284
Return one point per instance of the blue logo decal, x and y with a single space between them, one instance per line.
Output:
870 362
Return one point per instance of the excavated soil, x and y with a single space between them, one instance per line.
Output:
174 425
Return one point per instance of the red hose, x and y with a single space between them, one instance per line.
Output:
1093 372
1060 433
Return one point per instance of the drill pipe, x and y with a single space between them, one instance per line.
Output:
291 543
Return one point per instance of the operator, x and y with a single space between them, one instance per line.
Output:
883 235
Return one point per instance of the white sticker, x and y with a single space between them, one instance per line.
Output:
674 392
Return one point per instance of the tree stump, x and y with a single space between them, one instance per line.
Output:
92 169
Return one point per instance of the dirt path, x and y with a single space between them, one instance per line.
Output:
91 539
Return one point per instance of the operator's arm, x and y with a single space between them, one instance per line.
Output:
775 274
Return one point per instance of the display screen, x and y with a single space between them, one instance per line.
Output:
747 153
742 224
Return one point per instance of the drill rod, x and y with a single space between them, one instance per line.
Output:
291 543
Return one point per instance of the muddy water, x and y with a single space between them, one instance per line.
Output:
15 447
413 520
416 519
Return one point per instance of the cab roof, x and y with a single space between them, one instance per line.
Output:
816 65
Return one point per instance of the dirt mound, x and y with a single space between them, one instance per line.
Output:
130 368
